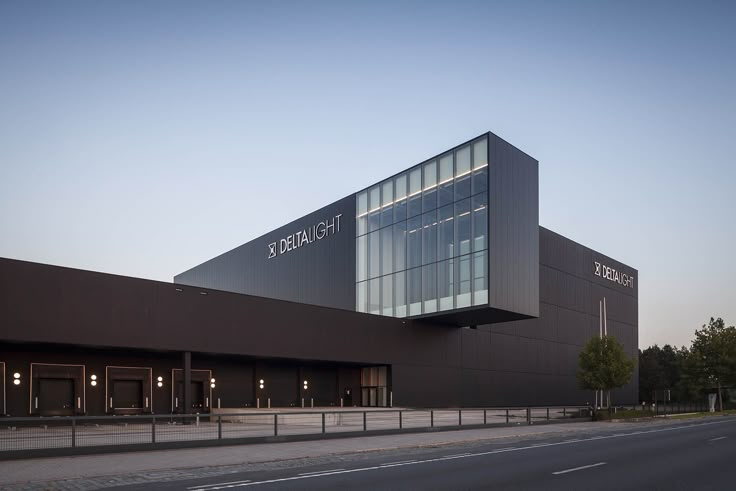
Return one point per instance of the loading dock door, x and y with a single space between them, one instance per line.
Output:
56 396
198 397
127 394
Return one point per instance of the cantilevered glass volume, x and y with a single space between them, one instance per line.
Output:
422 236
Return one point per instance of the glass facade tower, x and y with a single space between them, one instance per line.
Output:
422 236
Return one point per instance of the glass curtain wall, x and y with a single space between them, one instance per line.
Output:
422 237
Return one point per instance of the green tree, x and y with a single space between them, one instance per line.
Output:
713 356
604 366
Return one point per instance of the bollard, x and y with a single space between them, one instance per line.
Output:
258 403
269 403
302 403
312 401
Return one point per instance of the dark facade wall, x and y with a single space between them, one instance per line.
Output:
513 199
145 323
319 273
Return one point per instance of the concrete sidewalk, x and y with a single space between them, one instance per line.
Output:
91 466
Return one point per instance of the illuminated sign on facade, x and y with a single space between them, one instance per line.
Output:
301 238
614 275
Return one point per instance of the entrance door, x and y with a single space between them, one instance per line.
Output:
56 396
348 397
127 394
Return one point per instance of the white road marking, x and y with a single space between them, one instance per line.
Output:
219 485
578 468
400 462
457 455
320 472
490 452
716 439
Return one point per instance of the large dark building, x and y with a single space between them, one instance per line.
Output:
435 287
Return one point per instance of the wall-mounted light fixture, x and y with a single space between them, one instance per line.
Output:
16 378
306 385
160 382
212 383
93 380
261 384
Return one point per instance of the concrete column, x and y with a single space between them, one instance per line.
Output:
186 382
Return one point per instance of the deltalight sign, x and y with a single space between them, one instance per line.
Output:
614 275
301 238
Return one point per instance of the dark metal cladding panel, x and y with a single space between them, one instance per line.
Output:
513 229
321 272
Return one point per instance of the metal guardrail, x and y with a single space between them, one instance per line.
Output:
90 432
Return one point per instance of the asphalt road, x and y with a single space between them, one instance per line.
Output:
695 454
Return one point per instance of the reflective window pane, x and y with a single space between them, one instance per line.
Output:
429 288
480 222
387 262
446 232
374 296
361 270
414 242
480 278
361 302
429 195
414 290
362 213
463 227
415 192
480 153
387 202
446 185
387 295
374 208
429 237
374 254
399 250
400 198
462 173
400 294
446 284
462 287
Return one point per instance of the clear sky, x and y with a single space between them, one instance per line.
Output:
142 138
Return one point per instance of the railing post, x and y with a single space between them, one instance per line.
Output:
401 422
431 418
275 425
460 417
153 429
564 412
323 422
219 427
485 420
547 414
365 421
74 432
528 415
507 416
